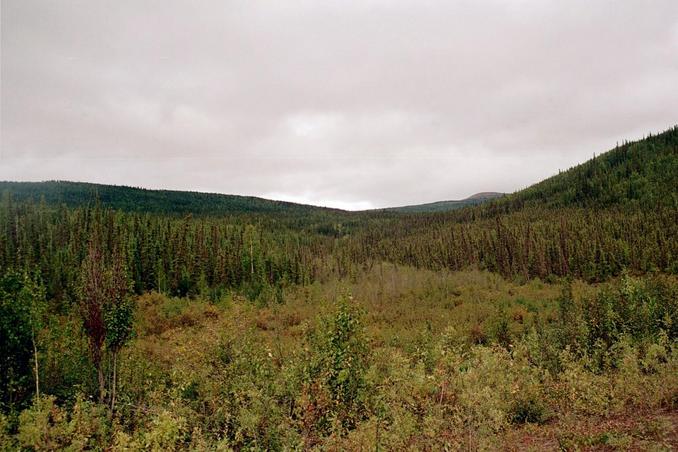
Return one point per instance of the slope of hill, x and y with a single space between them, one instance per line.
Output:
132 199
444 206
642 173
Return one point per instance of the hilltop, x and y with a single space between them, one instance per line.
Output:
132 199
444 206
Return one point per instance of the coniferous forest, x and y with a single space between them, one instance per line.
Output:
136 319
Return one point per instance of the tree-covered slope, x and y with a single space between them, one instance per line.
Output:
75 194
642 173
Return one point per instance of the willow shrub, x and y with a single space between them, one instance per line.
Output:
334 392
46 426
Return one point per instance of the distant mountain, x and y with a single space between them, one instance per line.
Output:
485 195
444 206
132 199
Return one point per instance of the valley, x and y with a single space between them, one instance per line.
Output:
156 320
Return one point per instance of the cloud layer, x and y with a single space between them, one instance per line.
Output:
349 104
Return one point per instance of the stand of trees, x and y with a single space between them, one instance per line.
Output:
198 255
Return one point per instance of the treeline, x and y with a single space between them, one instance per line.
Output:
615 212
260 254
131 199
177 256
585 243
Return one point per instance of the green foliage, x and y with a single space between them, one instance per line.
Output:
106 311
252 396
593 222
501 330
166 431
118 309
21 308
335 374
46 426
238 376
119 323
65 366
445 206
161 313
7 440
640 311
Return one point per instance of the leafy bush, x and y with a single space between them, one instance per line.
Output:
334 376
160 313
46 426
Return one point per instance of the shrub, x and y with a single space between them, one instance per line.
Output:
7 440
335 368
46 426
159 313
246 396
167 431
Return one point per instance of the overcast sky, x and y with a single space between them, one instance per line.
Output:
351 104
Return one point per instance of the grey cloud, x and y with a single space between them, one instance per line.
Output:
353 104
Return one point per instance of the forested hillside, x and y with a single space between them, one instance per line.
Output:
640 174
128 324
129 199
